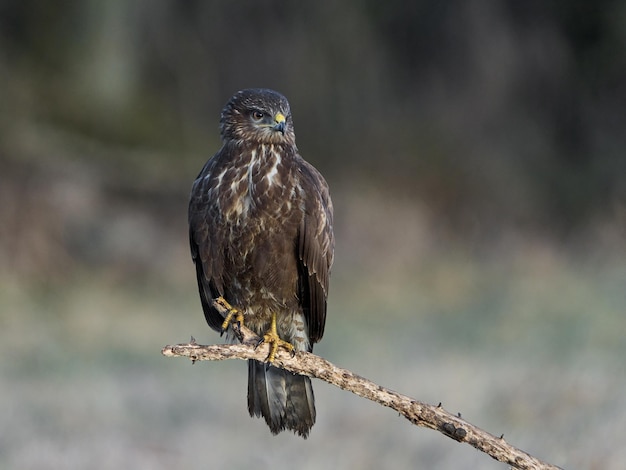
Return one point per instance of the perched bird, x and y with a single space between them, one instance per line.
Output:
261 236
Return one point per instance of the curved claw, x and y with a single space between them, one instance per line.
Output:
234 316
275 341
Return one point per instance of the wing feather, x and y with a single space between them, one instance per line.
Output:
205 241
315 246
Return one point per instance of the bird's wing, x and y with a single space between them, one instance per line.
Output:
315 247
206 235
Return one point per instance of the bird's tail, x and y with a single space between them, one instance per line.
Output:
284 399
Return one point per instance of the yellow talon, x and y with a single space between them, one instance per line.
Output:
274 340
232 312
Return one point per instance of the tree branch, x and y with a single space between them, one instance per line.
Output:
418 413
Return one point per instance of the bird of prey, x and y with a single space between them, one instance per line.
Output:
261 236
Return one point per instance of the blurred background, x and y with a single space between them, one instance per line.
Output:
476 154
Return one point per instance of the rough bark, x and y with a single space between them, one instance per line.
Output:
418 413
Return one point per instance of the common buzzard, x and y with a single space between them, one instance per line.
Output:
260 229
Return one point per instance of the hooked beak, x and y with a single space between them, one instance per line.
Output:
279 123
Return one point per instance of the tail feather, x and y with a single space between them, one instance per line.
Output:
285 400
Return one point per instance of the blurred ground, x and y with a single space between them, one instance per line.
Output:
528 343
475 154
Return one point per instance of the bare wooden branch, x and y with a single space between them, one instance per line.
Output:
418 413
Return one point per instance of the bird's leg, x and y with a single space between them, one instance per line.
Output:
232 313
274 341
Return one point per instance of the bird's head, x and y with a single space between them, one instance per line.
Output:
257 115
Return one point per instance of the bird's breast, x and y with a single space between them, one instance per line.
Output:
259 185
258 201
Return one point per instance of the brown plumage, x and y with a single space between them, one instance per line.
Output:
260 230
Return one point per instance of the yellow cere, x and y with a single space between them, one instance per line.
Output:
279 118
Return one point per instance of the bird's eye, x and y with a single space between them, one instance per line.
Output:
257 115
